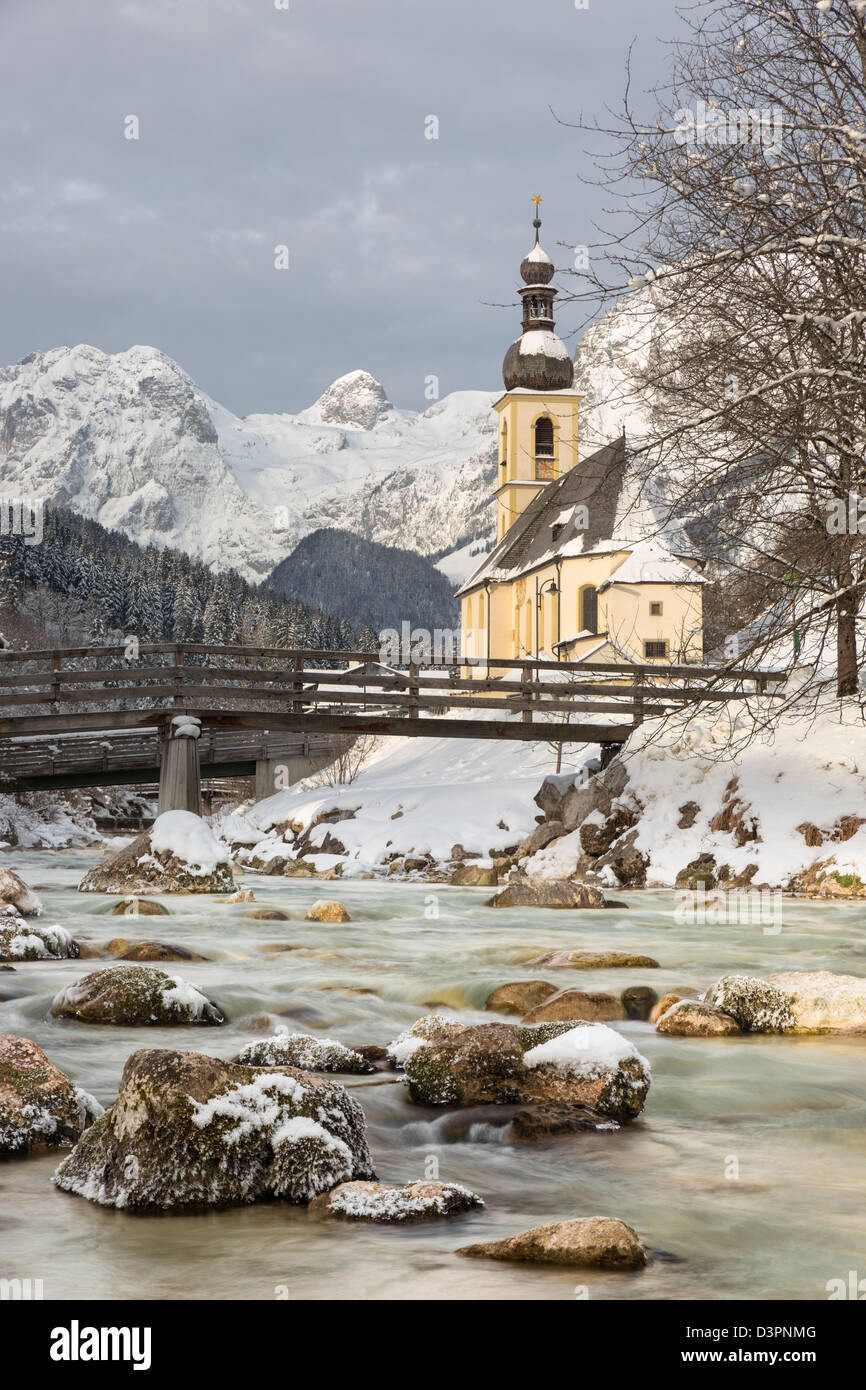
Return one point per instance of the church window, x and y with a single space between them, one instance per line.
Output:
544 437
589 609
655 610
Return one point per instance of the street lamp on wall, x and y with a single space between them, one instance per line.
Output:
549 586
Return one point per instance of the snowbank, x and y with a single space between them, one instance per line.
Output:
414 797
790 803
190 839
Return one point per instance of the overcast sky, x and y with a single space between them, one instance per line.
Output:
261 127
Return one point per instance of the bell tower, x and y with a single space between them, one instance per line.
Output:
538 413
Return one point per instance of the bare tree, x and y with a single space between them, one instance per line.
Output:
741 232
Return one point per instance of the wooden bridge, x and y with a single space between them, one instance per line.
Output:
251 699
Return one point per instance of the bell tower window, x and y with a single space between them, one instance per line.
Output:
545 455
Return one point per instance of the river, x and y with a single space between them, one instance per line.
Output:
744 1174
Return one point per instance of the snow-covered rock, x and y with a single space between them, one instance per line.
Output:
187 1129
15 892
505 1063
134 996
39 1106
21 941
304 1051
179 854
378 1201
794 1001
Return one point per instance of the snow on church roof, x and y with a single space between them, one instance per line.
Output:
537 340
650 562
604 490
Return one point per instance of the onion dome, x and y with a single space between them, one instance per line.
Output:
537 268
538 360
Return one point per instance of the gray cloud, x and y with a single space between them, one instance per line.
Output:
261 127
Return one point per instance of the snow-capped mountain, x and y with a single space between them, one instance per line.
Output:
130 440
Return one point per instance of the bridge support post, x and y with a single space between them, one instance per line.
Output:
179 776
276 774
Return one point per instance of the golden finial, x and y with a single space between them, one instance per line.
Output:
536 221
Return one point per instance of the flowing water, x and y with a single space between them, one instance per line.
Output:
744 1174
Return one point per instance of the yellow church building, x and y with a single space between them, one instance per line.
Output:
582 568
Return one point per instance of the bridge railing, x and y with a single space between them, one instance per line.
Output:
45 690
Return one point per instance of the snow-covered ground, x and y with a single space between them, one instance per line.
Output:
414 796
744 810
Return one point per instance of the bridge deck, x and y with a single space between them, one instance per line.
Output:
259 703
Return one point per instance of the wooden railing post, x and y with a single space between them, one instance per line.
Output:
638 697
177 699
414 689
526 677
297 684
55 682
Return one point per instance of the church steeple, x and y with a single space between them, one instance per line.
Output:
538 360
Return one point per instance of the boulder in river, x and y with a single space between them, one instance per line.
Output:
519 997
532 1123
304 1051
191 1130
821 1001
327 910
506 1063
39 1106
123 949
638 1001
596 1242
667 1001
694 1018
579 1005
547 892
15 893
597 960
475 876
21 941
757 1006
179 854
379 1201
133 996
422 1031
138 907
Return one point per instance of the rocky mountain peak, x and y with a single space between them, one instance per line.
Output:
356 401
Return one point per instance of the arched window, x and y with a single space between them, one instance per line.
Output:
544 437
589 609
504 456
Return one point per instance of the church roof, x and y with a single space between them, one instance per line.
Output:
605 491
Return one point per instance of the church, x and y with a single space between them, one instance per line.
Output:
582 569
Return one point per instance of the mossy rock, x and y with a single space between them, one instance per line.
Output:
134 996
306 1052
136 869
20 940
498 1064
757 1006
189 1130
39 1106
